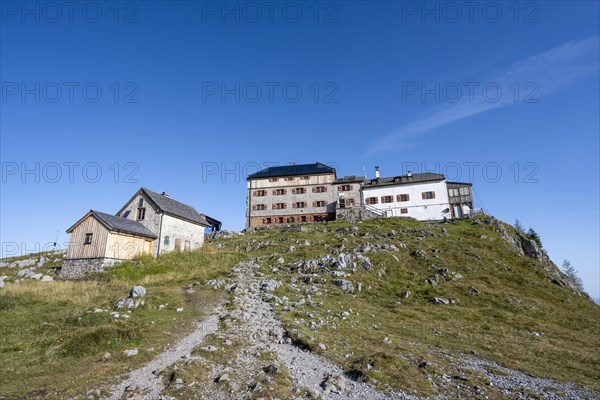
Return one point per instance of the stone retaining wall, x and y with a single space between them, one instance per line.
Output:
79 268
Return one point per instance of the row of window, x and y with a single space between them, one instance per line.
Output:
291 220
282 192
282 206
463 191
399 198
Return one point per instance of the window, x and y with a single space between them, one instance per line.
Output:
305 178
350 202
279 192
453 192
279 206
259 193
88 238
273 179
259 207
464 191
167 240
344 188
319 189
141 202
299 191
402 197
303 218
387 199
141 213
280 220
289 178
372 200
290 220
299 204
404 211
268 221
428 195
320 203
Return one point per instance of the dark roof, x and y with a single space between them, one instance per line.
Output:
404 179
352 178
289 170
175 208
118 224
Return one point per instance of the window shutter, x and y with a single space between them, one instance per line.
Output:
350 186
284 191
407 197
325 204
314 189
254 193
274 191
339 188
284 205
433 195
423 195
254 207
324 188
314 203
273 207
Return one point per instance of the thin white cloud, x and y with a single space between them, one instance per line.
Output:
548 71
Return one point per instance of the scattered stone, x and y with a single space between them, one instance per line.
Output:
271 369
334 383
131 352
292 248
270 286
474 290
440 300
180 309
322 346
137 291
209 349
106 357
223 378
420 254
47 278
345 285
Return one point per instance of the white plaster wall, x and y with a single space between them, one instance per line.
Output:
428 209
176 228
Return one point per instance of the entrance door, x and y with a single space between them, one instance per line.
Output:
458 211
342 203
177 244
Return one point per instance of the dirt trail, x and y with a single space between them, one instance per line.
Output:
147 379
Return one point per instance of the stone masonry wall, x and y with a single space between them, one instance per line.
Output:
79 268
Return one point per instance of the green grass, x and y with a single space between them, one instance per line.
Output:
514 300
53 341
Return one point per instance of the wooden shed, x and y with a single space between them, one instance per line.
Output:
107 237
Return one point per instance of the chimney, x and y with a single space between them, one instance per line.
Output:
165 194
377 172
409 173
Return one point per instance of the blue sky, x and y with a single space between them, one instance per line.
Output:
191 96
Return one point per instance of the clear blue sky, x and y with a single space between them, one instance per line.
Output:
500 87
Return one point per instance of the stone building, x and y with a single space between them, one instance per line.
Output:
178 226
149 223
312 192
291 194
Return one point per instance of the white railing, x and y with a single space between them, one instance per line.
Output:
374 210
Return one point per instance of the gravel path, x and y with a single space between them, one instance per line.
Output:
147 379
309 370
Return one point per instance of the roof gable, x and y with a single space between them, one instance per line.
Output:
175 208
296 169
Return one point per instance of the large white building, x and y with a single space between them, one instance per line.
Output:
425 196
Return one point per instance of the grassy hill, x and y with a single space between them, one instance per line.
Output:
396 302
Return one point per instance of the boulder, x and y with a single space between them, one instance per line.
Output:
440 300
270 285
344 284
531 249
137 291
